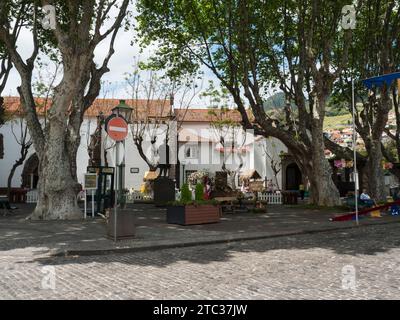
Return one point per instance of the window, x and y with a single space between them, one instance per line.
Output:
191 151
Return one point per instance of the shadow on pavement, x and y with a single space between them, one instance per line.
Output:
35 241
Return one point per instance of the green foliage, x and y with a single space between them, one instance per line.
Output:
193 203
186 194
199 192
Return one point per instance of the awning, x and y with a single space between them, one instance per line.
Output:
379 81
249 174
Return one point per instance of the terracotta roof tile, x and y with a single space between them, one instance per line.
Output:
143 109
152 108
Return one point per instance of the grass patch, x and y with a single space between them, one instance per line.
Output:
337 122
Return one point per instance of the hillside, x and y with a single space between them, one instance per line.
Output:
337 122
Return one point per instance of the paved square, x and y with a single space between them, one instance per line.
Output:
296 267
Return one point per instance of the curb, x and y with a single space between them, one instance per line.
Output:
69 253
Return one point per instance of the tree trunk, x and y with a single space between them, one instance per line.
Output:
375 183
232 179
139 145
10 177
57 187
323 190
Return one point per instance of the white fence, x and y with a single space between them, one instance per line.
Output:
132 197
271 198
137 196
32 196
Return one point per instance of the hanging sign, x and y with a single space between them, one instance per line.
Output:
90 181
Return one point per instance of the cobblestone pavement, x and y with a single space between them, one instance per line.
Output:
297 267
77 237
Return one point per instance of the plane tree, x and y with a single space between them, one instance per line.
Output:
253 46
74 30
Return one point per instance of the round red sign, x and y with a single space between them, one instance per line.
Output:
117 129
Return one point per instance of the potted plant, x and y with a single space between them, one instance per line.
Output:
188 212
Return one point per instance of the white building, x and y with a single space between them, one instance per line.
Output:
199 146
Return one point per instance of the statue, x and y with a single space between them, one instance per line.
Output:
163 163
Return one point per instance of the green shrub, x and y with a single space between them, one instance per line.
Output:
186 194
193 203
199 192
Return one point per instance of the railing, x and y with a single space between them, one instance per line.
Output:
132 197
138 196
32 196
271 198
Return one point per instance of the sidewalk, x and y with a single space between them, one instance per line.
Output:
59 238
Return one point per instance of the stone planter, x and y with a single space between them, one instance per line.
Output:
125 225
192 214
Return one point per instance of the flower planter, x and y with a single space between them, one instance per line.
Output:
191 214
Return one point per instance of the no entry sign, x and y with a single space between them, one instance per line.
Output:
117 128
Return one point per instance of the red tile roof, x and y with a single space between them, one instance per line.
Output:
143 108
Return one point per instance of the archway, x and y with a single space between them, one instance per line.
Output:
293 177
30 175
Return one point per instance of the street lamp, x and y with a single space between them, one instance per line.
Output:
123 110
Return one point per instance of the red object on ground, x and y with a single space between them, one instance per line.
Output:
350 216
117 129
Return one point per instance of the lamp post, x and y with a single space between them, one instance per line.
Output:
122 110
355 173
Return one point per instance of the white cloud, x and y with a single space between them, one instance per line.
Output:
121 62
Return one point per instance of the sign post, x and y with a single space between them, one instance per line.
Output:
90 183
117 129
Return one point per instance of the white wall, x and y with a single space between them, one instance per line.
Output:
12 150
11 154
88 127
209 158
